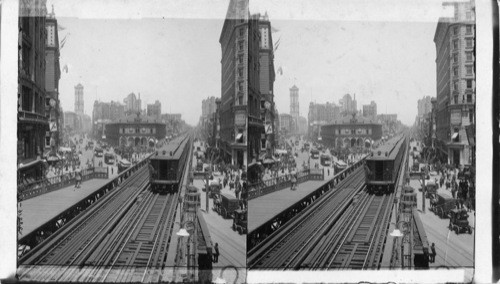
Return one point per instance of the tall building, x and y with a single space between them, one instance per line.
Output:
79 106
104 113
154 110
302 125
241 124
33 122
52 76
208 107
455 64
348 105
370 111
424 106
294 105
321 114
132 103
267 77
286 123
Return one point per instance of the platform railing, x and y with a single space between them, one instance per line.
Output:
39 187
278 183
265 187
48 228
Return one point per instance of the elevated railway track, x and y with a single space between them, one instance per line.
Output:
346 228
125 237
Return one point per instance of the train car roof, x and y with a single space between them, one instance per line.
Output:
388 150
171 150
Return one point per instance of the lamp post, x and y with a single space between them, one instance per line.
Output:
401 232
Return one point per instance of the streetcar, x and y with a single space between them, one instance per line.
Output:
109 159
382 166
339 166
98 152
123 165
167 164
315 154
325 160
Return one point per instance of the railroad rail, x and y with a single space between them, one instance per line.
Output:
69 247
126 237
286 247
344 229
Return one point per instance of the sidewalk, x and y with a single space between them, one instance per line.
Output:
232 245
452 250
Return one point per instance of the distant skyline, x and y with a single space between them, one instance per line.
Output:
158 58
390 63
325 48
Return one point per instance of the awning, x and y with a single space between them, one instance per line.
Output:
124 162
254 163
27 165
455 135
268 161
53 158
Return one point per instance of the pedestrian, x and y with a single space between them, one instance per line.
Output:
216 254
432 258
237 190
78 179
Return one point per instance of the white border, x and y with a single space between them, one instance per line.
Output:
197 9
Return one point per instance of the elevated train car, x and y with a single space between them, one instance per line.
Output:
167 164
382 166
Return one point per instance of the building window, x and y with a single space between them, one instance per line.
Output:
468 55
455 58
455 71
468 42
455 85
240 86
241 31
468 29
455 99
468 15
469 70
240 72
240 45
26 99
469 98
455 31
240 58
455 44
469 84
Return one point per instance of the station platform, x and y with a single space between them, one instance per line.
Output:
452 250
39 210
266 207
232 245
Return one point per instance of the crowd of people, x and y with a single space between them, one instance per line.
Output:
462 189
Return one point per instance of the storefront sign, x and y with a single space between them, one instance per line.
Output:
240 119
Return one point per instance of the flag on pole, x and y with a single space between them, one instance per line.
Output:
63 41
277 44
280 70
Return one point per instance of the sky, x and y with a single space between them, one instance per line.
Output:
170 51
